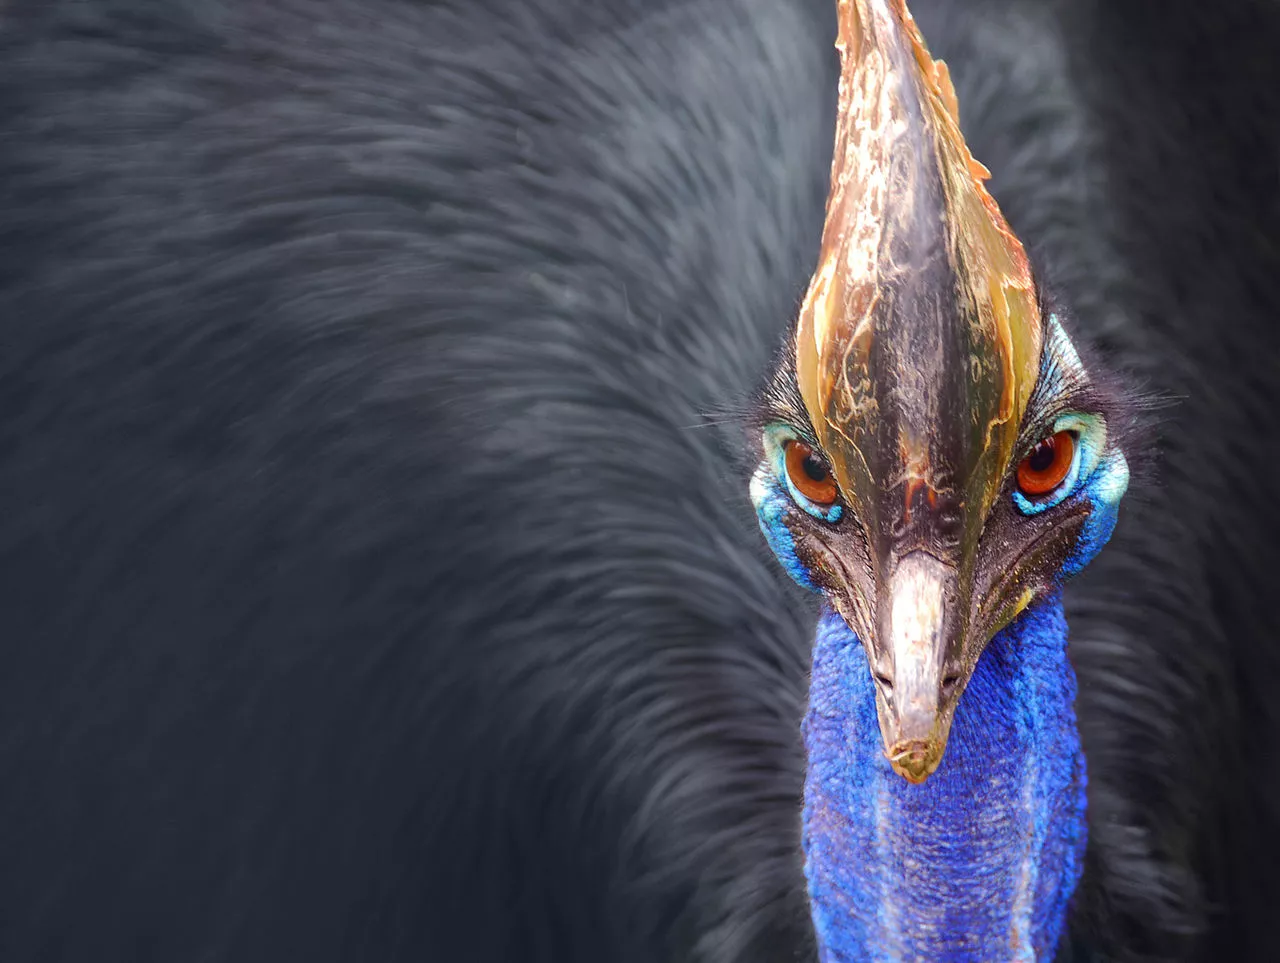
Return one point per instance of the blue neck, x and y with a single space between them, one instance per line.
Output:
979 862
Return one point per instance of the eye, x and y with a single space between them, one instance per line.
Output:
1048 464
810 474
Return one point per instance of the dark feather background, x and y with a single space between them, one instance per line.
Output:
377 576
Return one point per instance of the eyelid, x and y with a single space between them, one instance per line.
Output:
1091 438
775 442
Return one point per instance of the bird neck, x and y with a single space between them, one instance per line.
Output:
980 861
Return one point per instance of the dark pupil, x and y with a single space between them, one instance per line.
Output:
815 468
1041 457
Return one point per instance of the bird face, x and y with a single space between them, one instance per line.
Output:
935 455
922 578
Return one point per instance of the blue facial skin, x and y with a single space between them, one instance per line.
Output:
774 496
979 862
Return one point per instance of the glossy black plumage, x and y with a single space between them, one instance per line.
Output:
377 577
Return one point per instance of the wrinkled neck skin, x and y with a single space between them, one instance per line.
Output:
979 862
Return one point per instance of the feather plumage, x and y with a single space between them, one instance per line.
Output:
367 592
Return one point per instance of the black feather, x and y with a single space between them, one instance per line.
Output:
364 595
367 591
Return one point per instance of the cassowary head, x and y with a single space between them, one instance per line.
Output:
935 455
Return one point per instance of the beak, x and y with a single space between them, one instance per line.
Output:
915 666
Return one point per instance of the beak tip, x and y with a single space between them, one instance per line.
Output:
914 761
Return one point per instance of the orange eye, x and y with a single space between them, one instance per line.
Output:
810 473
1048 464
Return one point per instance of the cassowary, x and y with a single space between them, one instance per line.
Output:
383 383
937 460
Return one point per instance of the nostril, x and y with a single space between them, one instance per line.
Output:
949 684
884 682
